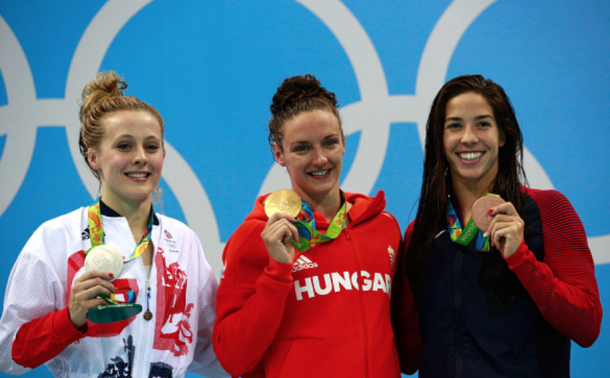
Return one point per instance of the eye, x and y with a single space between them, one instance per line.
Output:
301 148
330 142
453 125
123 146
485 124
152 148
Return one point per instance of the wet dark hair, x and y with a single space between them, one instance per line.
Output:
296 95
437 184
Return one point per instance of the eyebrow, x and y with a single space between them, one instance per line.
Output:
130 136
476 118
308 142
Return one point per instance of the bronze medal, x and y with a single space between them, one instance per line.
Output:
480 217
283 201
148 315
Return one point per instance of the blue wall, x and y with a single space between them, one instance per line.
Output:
211 69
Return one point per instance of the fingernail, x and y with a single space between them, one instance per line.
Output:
486 234
111 275
490 211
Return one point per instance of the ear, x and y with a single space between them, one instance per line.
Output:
501 136
502 141
278 154
92 159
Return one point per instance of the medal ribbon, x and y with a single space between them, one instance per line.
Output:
306 225
465 236
96 235
96 231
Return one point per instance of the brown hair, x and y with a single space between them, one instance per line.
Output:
436 181
101 97
296 95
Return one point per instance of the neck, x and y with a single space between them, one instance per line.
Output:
468 192
137 212
328 204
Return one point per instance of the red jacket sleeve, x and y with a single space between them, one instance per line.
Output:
250 301
405 317
563 286
44 338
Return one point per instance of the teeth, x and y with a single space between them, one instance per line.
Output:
320 173
470 155
137 175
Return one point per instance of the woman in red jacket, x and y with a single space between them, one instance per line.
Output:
324 311
505 300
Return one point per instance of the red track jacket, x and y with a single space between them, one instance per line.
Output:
326 315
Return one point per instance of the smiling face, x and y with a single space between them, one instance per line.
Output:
471 140
312 151
129 157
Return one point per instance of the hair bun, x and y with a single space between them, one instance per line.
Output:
105 85
295 89
296 95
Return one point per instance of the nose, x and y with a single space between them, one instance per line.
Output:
320 158
139 157
469 136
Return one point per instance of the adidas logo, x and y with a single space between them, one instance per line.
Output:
303 263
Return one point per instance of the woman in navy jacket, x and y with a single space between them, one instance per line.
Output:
507 302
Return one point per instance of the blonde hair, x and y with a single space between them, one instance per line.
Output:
101 97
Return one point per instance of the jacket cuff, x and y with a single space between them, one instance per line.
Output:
278 271
519 257
64 330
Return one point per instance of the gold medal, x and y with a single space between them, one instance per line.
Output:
283 201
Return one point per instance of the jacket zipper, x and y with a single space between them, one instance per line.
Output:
458 345
364 330
144 348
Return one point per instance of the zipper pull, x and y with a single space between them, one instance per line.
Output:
148 315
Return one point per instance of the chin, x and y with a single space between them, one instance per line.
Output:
322 189
139 196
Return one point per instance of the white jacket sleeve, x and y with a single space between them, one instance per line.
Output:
34 289
204 361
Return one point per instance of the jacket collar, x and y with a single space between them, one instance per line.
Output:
363 207
107 211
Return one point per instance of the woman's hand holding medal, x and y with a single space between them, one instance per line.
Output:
85 294
505 227
276 236
91 293
281 207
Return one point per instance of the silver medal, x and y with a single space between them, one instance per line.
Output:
105 258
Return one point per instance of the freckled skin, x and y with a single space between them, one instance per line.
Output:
132 143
